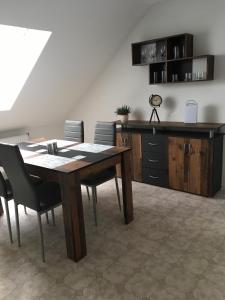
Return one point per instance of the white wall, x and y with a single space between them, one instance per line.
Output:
121 83
84 38
49 131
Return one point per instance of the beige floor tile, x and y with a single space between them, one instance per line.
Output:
174 250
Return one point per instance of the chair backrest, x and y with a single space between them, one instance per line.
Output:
74 131
105 133
22 186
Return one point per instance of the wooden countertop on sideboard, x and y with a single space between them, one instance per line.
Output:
173 126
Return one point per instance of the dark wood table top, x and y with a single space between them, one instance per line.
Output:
89 158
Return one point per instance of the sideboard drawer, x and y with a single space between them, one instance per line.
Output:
155 177
155 160
154 143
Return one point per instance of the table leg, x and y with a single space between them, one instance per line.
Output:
1 208
127 186
73 216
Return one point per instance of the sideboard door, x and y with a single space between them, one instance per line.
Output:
199 166
136 156
189 165
132 140
178 178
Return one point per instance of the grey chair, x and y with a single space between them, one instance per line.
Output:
105 134
74 131
41 197
6 194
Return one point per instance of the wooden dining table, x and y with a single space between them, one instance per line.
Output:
78 162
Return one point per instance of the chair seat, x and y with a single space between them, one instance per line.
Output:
99 178
49 195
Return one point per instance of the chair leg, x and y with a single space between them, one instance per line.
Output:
8 220
17 225
53 217
118 192
41 236
25 210
47 219
1 208
94 197
88 193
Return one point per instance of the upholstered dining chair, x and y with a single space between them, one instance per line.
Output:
105 134
6 194
74 131
41 197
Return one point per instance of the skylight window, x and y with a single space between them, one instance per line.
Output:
19 51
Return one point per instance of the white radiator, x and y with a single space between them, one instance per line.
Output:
14 138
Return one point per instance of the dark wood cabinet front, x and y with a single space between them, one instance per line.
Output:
176 159
133 140
191 165
184 157
199 166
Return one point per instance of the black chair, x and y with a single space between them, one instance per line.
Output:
105 134
6 194
41 197
74 131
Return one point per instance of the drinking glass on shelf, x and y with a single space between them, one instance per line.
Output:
189 76
162 52
198 76
155 77
174 77
152 52
202 75
176 52
163 76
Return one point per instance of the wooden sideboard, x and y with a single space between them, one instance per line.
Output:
185 157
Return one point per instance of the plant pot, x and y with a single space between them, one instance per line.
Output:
123 118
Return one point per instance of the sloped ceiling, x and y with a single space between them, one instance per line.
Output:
85 35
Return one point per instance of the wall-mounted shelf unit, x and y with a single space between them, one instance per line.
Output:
171 60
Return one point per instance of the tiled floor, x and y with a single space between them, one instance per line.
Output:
174 250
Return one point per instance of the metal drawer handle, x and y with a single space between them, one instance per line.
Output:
153 177
152 144
153 160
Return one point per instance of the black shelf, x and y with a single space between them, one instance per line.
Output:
180 69
161 50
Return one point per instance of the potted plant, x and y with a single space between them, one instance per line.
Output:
123 113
